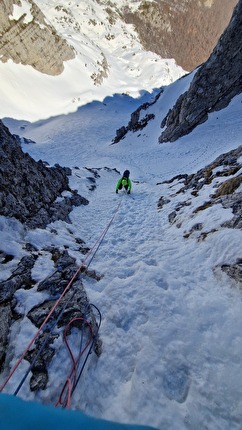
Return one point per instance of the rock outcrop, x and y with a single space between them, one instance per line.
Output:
214 85
29 189
139 119
224 179
28 38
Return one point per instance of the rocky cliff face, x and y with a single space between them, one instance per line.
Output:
185 30
29 189
214 85
28 39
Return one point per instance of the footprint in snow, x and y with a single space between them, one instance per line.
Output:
161 283
176 382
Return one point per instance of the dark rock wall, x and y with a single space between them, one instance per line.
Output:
28 189
214 85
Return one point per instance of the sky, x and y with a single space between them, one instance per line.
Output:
171 319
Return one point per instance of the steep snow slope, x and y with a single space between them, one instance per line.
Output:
171 319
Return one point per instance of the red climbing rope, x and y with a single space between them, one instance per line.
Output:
96 245
71 379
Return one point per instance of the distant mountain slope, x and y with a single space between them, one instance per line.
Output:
185 30
108 57
38 33
73 52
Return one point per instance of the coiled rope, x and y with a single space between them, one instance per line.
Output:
73 377
93 251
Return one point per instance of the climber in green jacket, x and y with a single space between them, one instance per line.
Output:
124 182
